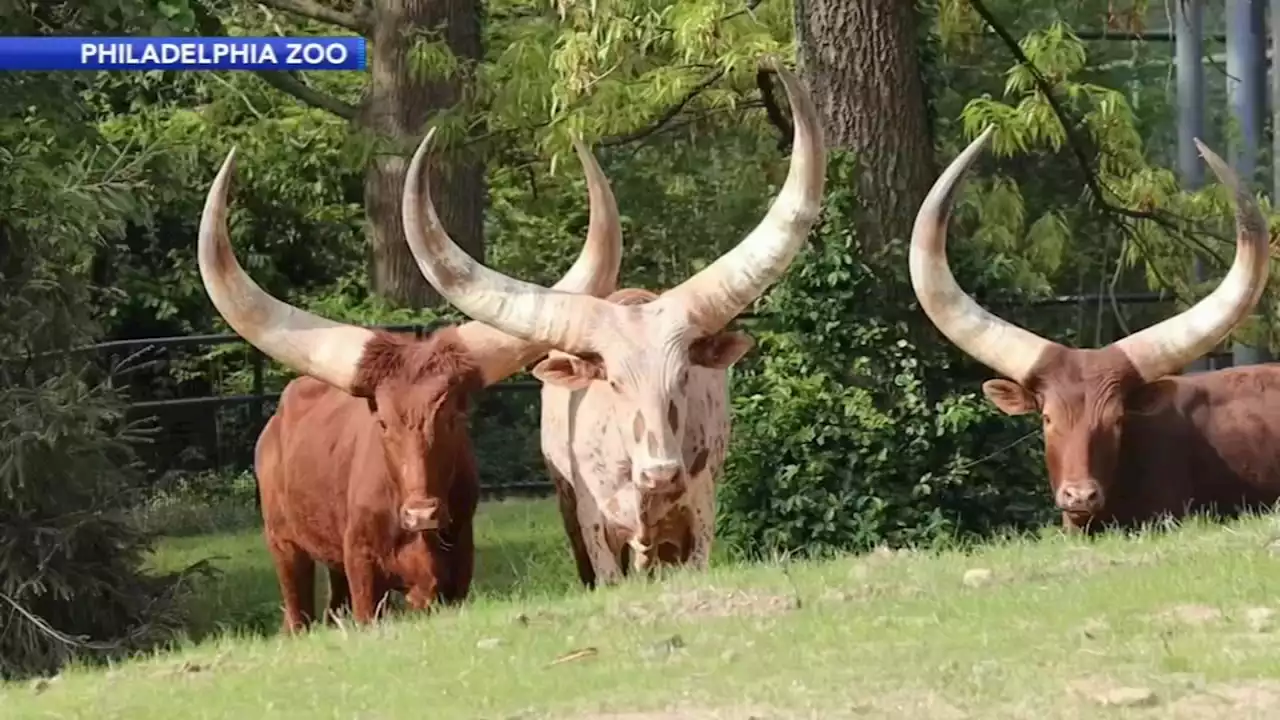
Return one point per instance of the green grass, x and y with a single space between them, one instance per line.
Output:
1058 625
521 553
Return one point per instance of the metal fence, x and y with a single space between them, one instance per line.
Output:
216 431
212 431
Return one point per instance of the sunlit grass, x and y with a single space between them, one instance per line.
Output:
1168 625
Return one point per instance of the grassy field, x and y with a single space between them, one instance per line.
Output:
1176 625
521 554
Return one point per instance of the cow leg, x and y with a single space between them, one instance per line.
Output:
573 528
595 529
339 594
296 572
362 578
702 520
461 563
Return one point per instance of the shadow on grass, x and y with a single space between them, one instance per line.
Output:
521 552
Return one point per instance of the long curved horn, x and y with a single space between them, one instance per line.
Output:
309 344
723 289
529 312
1167 346
594 273
996 343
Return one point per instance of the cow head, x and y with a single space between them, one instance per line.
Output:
1082 396
416 390
646 359
644 347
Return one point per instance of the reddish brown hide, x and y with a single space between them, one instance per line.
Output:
1121 451
366 465
1126 440
348 487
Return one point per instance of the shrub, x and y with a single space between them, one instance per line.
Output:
71 580
855 424
71 560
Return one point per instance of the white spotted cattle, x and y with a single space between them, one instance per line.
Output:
635 418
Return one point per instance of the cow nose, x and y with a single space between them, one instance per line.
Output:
659 477
1080 497
418 517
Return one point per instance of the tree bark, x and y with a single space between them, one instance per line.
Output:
860 59
399 104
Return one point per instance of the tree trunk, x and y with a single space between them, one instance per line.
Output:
860 60
398 106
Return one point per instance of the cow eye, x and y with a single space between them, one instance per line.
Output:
617 387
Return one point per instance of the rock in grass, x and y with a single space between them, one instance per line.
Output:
1260 619
1127 697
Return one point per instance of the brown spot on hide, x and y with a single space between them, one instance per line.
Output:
699 462
673 416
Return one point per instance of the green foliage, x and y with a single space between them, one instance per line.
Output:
71 584
853 428
71 577
1145 230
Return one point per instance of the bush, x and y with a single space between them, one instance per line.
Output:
71 559
71 583
855 424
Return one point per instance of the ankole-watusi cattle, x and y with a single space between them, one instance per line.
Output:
1125 442
366 465
635 416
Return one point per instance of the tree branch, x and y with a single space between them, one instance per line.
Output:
356 22
667 115
210 25
1077 146
764 81
291 84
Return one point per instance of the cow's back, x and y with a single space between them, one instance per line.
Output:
1214 443
316 443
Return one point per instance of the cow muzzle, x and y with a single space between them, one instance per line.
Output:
1079 497
661 479
421 515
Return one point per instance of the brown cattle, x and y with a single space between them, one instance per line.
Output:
366 465
635 398
1125 442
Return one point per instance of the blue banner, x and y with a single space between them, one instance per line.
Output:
182 53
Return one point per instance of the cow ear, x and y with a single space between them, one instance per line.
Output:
721 350
1009 396
1151 398
569 371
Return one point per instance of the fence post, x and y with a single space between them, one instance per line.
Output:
255 414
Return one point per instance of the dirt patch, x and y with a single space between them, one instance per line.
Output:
710 602
1245 700
687 714
1193 615
1105 692
1087 559
923 704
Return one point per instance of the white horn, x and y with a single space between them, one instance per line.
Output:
309 344
594 273
529 312
716 294
996 343
1168 346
